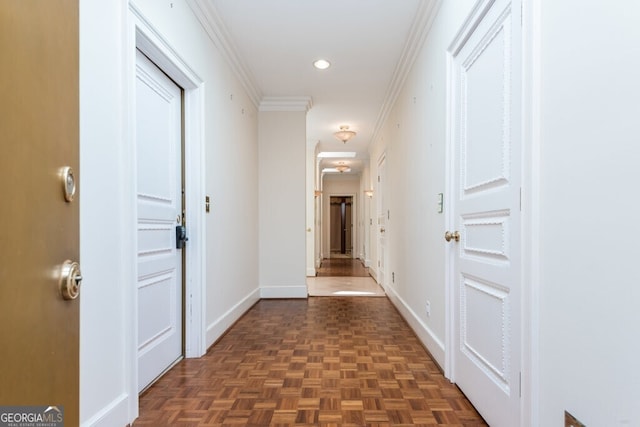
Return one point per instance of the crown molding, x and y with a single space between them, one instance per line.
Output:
418 33
214 26
286 103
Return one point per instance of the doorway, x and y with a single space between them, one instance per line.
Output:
160 202
341 226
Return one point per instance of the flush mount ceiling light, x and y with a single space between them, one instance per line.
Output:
321 64
344 134
342 167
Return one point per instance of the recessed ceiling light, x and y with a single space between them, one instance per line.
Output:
336 154
321 64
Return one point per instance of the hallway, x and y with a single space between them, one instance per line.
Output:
321 361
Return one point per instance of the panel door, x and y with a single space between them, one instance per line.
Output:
39 131
159 202
487 176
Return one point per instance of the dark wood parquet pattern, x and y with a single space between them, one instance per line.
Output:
321 361
342 267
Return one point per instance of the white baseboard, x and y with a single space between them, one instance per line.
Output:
425 335
311 272
224 322
373 273
114 414
283 292
367 263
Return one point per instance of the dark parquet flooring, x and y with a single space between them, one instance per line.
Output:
342 267
317 362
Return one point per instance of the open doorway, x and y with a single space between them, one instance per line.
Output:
341 226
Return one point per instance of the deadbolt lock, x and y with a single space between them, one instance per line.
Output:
68 183
70 278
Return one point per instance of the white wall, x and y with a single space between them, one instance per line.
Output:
107 252
282 202
414 140
338 185
590 149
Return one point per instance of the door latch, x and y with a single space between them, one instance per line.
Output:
181 236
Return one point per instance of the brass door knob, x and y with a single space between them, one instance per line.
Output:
448 236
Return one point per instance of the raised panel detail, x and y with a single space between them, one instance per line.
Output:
485 101
155 110
486 235
157 321
154 238
485 327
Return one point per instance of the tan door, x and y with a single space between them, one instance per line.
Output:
40 230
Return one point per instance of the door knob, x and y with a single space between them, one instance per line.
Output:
382 230
448 236
70 278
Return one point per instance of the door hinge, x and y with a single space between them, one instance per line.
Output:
520 383
520 199
378 178
388 215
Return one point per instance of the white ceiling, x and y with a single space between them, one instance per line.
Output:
366 41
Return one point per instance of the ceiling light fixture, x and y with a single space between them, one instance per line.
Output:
321 64
344 134
342 167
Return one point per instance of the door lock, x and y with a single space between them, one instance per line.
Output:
70 278
181 236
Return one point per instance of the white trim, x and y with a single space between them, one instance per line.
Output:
531 182
219 326
268 292
113 414
424 333
130 215
418 33
214 26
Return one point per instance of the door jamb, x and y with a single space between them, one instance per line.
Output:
143 36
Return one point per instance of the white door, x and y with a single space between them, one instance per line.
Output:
486 176
159 200
383 216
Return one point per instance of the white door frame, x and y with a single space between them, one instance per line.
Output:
530 213
354 206
381 193
143 36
